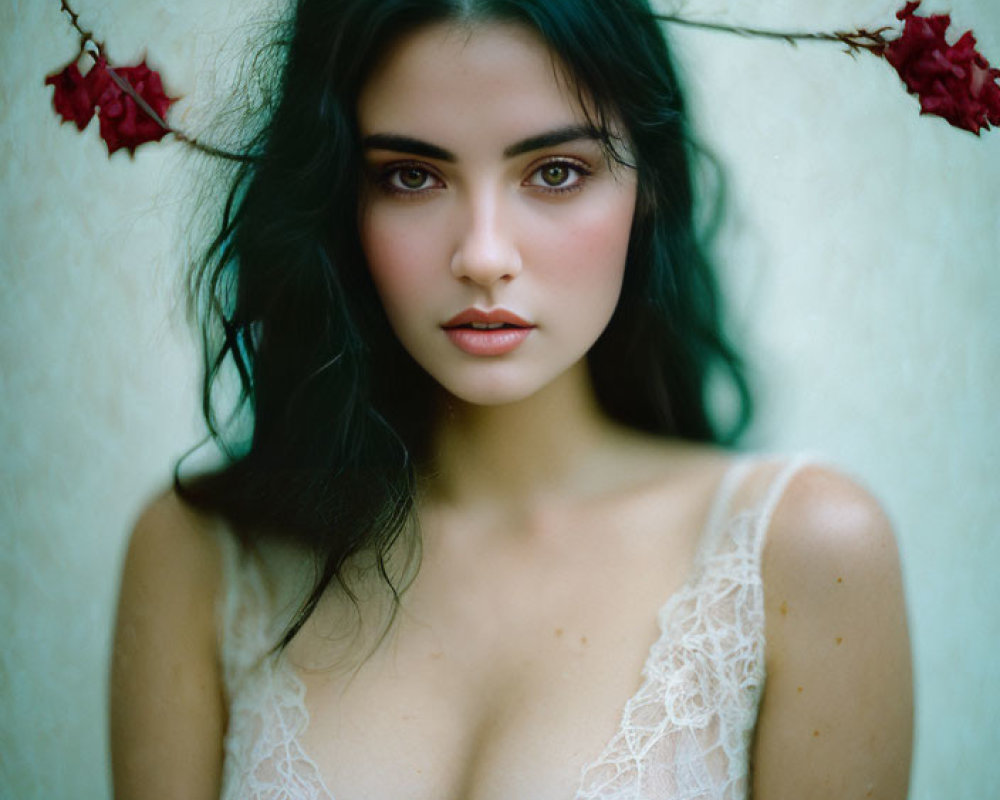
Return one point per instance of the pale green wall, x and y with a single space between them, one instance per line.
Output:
862 259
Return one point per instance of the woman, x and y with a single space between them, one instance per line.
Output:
481 542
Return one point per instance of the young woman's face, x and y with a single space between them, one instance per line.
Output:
494 226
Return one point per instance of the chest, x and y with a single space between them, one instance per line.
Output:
540 673
505 673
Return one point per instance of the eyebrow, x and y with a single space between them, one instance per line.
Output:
553 138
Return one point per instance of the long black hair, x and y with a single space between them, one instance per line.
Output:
332 455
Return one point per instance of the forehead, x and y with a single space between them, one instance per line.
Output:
451 83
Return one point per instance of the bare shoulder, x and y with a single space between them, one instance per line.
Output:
826 531
170 538
836 719
173 569
167 701
831 569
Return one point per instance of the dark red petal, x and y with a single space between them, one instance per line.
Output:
71 98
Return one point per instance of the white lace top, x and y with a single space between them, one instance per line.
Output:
684 735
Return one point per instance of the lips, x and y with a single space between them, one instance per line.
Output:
498 316
487 333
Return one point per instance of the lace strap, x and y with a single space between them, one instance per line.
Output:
721 513
771 497
731 480
240 610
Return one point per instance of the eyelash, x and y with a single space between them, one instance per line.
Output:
385 176
582 173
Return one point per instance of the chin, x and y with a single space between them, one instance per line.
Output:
489 390
496 384
486 396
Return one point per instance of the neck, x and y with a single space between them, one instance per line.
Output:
518 452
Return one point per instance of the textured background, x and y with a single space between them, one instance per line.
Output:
861 255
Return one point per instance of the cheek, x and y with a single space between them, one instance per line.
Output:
397 254
588 255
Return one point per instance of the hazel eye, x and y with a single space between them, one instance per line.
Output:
555 174
558 176
407 179
412 177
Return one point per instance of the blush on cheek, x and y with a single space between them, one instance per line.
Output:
594 249
391 258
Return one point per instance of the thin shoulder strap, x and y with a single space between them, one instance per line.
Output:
772 496
227 601
760 508
242 608
731 481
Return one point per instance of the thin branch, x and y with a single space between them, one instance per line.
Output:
85 35
209 150
873 41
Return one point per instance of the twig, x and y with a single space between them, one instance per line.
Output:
872 41
209 150
85 35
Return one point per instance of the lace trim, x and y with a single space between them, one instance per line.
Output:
264 759
684 735
267 712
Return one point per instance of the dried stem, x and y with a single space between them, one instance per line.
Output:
85 35
872 41
209 150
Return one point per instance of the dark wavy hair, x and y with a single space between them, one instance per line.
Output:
341 415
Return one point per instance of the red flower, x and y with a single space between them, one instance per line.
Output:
124 123
952 81
72 98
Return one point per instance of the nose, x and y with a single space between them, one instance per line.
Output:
485 250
